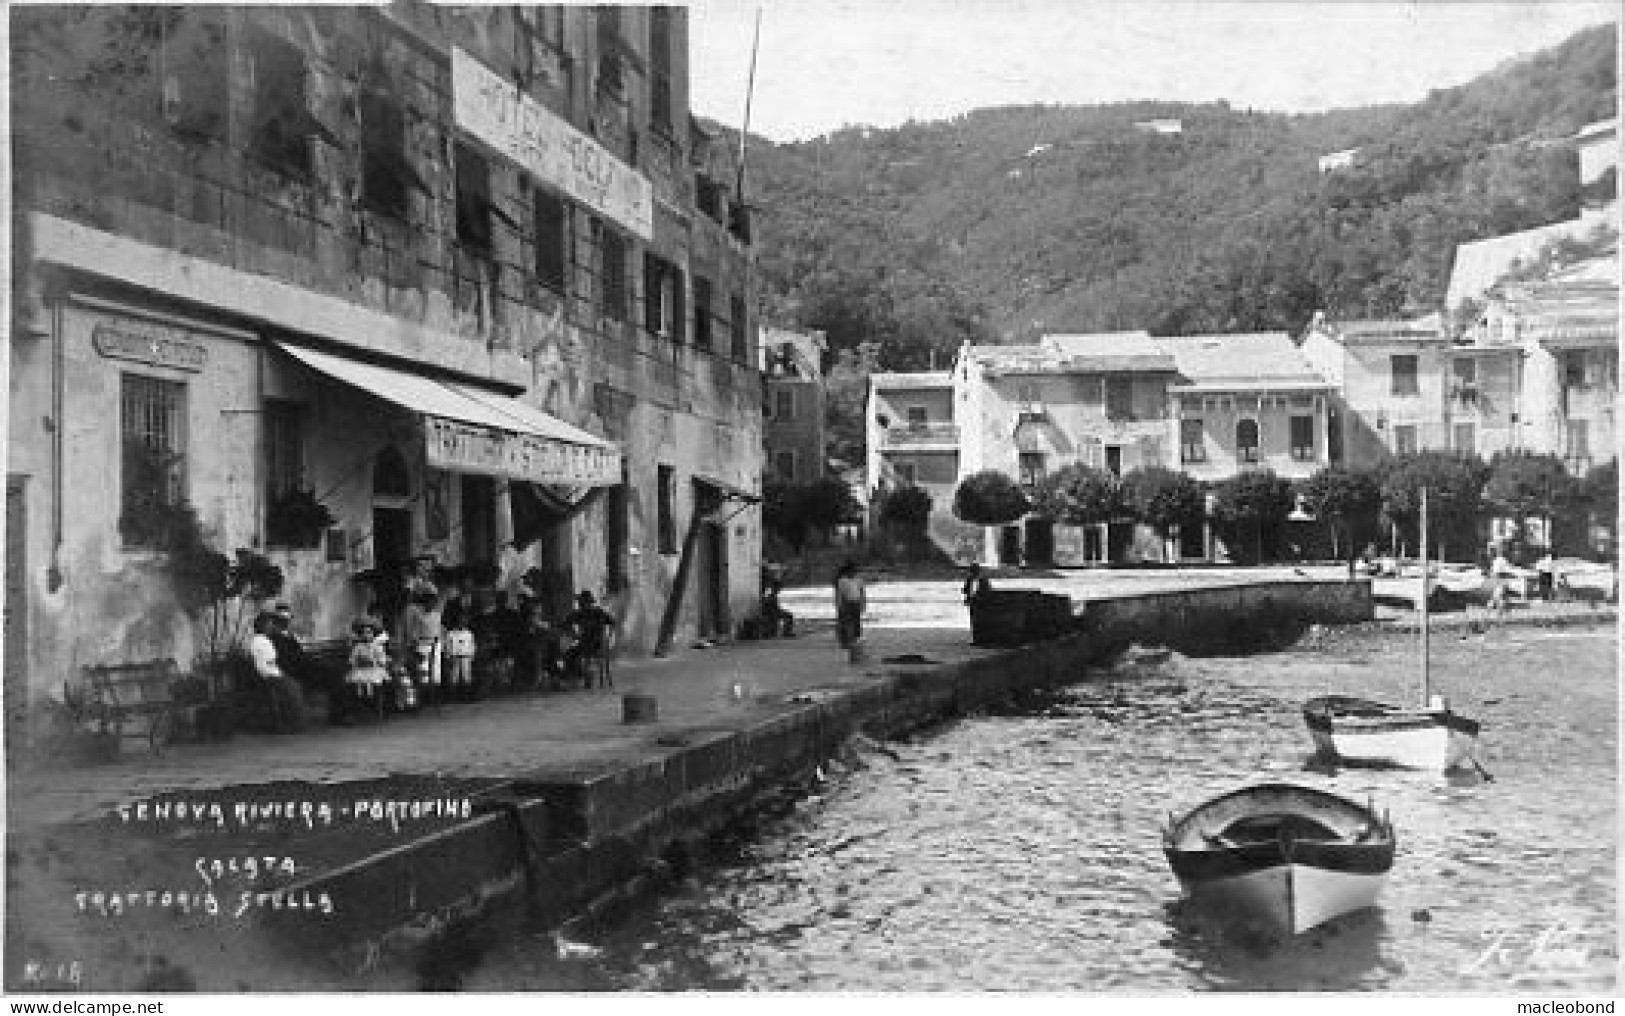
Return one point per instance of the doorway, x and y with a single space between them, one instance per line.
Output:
1010 545
479 518
1040 543
1191 541
711 563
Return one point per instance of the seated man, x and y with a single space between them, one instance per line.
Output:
776 621
589 624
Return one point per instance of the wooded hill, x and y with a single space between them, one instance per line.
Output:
1004 223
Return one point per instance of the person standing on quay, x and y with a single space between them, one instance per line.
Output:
850 600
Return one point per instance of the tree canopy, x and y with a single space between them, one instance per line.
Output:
1348 502
989 498
1250 509
1080 495
1454 484
1163 498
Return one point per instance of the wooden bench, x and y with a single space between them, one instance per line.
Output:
128 700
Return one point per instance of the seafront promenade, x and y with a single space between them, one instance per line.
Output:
564 794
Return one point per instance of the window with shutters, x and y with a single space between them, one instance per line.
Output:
1247 440
1302 434
1031 467
1119 398
387 175
473 199
702 313
552 240
660 111
194 60
1192 442
1404 439
737 329
611 272
662 297
1403 369
281 125
666 496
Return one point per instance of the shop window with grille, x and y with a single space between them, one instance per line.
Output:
152 432
1247 441
552 240
702 313
284 446
666 508
1192 443
737 330
1402 367
1302 436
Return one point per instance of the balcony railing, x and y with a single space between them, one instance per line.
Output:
920 434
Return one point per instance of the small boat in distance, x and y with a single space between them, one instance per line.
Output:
1357 731
1280 855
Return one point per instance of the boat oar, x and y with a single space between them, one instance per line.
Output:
1481 770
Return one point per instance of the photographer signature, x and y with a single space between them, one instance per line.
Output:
1545 948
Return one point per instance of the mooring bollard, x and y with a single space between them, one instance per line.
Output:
638 708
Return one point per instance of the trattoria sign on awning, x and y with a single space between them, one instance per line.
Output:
547 147
468 448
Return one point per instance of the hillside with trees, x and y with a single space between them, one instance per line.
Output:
1004 223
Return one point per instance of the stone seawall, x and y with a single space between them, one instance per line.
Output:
555 845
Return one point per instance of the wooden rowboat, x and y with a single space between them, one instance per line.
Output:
1284 856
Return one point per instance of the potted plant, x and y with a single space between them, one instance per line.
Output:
295 518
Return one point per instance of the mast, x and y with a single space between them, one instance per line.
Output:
750 93
1424 549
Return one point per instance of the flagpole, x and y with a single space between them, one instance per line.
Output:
750 92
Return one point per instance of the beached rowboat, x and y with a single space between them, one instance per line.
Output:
1284 856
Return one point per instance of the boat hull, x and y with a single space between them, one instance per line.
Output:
1281 856
1359 732
1287 899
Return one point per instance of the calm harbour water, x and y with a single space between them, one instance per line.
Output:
1021 850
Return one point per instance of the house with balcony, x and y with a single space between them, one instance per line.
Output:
1560 334
463 277
792 406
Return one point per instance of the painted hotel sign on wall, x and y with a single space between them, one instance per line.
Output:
527 132
471 449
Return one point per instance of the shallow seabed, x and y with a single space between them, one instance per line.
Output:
1021 850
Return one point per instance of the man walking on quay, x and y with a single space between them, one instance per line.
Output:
850 600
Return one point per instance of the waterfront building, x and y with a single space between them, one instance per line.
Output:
793 405
1561 332
1398 390
1212 406
471 279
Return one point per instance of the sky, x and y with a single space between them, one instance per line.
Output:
826 64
